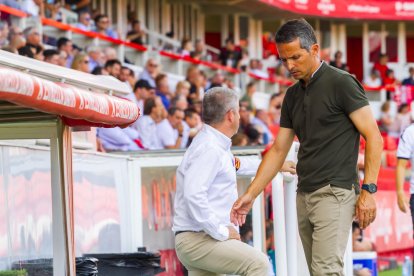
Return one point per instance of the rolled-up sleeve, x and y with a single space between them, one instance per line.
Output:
248 165
199 175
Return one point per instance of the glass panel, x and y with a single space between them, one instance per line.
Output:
25 210
99 184
374 36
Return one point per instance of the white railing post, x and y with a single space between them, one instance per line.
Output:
279 225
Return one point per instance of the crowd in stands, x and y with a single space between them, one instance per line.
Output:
171 116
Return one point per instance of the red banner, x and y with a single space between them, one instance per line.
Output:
392 230
82 107
353 9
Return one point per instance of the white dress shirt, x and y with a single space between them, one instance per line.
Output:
207 184
406 150
167 135
147 130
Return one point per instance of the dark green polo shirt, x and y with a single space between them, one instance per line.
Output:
319 115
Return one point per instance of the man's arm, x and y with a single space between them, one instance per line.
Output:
400 177
269 167
364 121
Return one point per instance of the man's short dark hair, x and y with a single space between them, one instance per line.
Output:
143 84
49 53
189 113
131 72
62 42
99 17
172 110
112 62
149 105
297 28
159 78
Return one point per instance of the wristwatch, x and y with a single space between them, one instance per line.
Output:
371 188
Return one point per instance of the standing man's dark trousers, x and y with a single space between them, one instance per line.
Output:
324 219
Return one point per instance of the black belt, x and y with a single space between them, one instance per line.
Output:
179 232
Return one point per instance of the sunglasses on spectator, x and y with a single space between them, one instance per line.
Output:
86 61
153 65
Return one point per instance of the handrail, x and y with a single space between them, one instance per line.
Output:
12 11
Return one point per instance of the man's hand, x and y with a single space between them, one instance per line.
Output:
289 166
403 201
240 209
366 209
233 234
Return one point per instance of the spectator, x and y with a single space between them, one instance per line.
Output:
118 139
217 80
387 122
247 99
163 90
410 79
110 53
200 51
239 140
358 242
245 115
170 130
147 124
137 34
180 102
66 45
143 91
275 107
337 62
186 47
51 56
261 121
373 80
167 45
102 26
402 120
85 21
255 69
193 74
100 71
4 33
77 6
16 39
81 62
113 67
269 45
390 78
229 55
182 88
96 57
381 66
150 72
63 58
127 75
254 136
33 7
33 45
191 125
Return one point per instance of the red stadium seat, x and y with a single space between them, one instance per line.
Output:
390 143
391 159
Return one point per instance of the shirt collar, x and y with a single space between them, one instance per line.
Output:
320 65
223 140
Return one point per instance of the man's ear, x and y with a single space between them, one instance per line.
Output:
315 49
230 116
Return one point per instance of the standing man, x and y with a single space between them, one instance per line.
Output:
327 110
405 153
205 240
